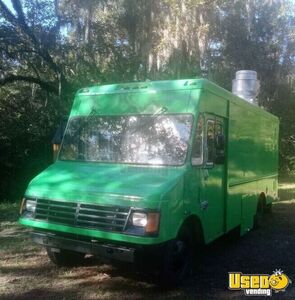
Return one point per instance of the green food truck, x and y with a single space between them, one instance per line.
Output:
151 172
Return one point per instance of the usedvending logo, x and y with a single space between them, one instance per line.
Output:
259 284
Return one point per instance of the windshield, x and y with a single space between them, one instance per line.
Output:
140 139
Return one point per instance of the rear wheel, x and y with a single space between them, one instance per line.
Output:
258 218
268 208
177 261
65 257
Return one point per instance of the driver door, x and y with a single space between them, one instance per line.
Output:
211 173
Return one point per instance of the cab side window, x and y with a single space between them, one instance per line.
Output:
215 142
219 142
210 141
197 151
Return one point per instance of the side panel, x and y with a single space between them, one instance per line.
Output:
252 163
249 204
252 147
242 201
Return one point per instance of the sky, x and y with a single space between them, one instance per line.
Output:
8 3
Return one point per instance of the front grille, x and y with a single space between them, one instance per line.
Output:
111 218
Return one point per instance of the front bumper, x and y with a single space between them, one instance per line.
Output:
115 237
94 247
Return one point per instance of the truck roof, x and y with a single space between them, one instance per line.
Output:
168 85
145 86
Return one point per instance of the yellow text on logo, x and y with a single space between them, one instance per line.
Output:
239 281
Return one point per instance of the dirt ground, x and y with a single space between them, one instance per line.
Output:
26 272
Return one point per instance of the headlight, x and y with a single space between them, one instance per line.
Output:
139 219
146 222
30 205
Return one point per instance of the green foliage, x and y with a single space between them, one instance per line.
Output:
49 49
27 123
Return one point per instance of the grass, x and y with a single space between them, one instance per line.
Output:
8 211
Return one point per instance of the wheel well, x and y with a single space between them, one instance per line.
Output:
193 224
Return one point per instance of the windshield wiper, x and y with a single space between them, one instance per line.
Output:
160 111
151 120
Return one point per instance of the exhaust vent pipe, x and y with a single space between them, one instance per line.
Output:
246 85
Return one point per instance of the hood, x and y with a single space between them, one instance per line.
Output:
89 182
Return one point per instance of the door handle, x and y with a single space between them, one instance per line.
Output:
204 204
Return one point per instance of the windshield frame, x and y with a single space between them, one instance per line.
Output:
185 160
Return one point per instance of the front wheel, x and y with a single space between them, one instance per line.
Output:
65 257
177 262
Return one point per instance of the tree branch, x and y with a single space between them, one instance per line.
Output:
20 23
18 8
45 85
7 14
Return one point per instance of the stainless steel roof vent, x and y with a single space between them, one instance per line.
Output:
246 85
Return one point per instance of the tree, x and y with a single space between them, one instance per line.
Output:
51 48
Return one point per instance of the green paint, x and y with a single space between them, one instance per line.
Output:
221 196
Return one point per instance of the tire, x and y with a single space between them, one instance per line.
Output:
65 257
177 263
258 218
268 208
234 235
